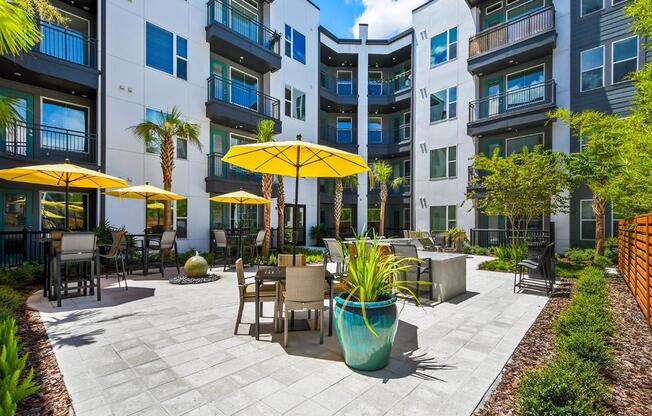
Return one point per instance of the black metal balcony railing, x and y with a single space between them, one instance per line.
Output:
236 93
395 85
66 44
494 237
336 135
216 167
338 87
512 31
36 141
247 26
474 179
18 247
512 101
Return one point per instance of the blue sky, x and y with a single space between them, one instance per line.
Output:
385 17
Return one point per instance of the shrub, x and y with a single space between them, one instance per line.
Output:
568 386
15 383
602 262
21 276
512 253
476 250
579 254
588 346
497 265
10 301
585 313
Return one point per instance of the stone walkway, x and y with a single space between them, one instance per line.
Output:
160 349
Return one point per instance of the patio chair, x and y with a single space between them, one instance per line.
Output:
540 271
334 254
117 250
257 244
77 248
166 242
415 267
220 243
247 291
406 233
285 260
304 289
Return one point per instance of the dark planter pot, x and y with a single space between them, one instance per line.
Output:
362 349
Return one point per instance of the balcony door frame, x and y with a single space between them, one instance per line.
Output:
245 73
29 98
217 64
506 86
87 131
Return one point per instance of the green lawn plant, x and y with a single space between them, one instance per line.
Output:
10 301
16 383
372 275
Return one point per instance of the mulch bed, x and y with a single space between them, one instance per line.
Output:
52 399
535 348
630 377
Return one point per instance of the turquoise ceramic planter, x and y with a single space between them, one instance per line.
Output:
362 349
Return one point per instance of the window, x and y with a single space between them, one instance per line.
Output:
288 101
235 140
443 162
407 173
616 2
516 144
590 6
344 83
375 130
443 105
405 128
443 47
53 211
525 87
161 53
344 132
66 126
182 58
244 90
592 68
524 9
493 8
375 83
244 17
624 58
182 218
373 215
152 144
443 217
295 44
182 148
295 103
587 220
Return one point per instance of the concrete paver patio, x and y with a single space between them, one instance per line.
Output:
161 349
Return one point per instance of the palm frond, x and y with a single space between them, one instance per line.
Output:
396 183
8 113
18 31
42 9
265 131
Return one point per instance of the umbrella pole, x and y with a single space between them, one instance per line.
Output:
65 224
295 231
240 232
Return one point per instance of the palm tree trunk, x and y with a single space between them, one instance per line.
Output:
598 205
383 201
167 167
267 194
280 205
337 205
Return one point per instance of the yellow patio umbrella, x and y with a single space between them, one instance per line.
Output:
156 205
243 198
146 192
298 159
62 174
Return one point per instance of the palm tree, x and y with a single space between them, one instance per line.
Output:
264 134
381 174
350 181
280 206
163 131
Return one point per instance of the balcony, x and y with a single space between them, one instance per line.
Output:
64 59
519 40
391 92
334 94
223 177
474 184
235 35
525 107
32 142
389 142
345 139
232 104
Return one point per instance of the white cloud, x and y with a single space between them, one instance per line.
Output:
386 17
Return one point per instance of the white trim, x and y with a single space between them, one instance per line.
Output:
486 13
587 220
613 62
582 71
614 4
337 81
543 64
590 13
408 124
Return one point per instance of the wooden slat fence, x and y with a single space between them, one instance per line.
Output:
635 259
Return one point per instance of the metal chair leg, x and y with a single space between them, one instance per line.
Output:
176 257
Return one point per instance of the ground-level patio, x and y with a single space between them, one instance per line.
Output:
161 349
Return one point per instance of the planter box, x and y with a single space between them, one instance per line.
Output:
448 274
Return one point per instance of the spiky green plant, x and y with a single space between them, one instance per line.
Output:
15 385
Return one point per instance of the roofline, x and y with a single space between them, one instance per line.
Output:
399 36
314 5
422 6
328 33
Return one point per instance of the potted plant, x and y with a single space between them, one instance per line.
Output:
366 317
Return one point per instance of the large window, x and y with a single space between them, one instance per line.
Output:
344 82
153 144
524 9
443 104
443 162
624 58
443 217
295 44
516 144
69 43
525 87
443 47
375 83
53 211
590 6
344 132
66 126
182 218
587 220
295 103
375 130
592 68
161 52
182 148
236 140
244 89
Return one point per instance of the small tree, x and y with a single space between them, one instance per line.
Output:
381 174
264 134
350 181
162 132
521 186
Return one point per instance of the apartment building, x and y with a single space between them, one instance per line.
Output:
468 76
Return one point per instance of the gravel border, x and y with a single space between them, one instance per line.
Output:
182 279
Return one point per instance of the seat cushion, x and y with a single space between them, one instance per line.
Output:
266 290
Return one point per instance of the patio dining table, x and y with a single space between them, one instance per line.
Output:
277 274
